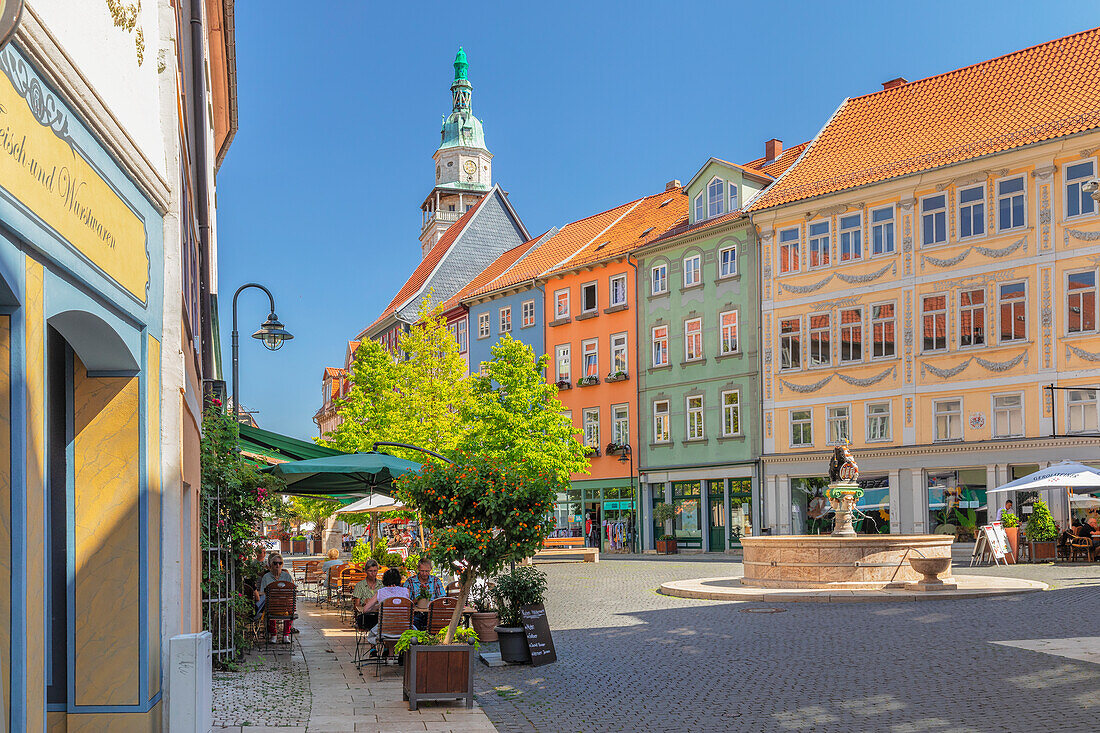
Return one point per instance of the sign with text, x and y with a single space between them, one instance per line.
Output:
539 640
996 539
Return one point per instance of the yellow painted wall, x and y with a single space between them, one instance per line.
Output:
153 473
36 496
5 509
115 722
107 550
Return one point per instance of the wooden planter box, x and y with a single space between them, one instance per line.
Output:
666 547
317 547
298 547
1044 551
439 672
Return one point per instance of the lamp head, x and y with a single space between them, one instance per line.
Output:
272 333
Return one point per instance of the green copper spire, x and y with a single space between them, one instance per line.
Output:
461 67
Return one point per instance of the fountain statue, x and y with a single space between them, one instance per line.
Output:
843 492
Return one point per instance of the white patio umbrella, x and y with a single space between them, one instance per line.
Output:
373 504
1084 501
1075 478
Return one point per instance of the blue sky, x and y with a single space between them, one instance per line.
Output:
585 105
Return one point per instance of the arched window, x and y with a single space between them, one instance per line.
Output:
715 195
699 213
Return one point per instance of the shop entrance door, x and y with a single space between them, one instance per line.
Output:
717 510
592 524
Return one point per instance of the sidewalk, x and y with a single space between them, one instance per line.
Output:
339 700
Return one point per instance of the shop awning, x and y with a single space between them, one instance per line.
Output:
265 448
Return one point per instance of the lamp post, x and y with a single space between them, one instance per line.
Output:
271 333
626 454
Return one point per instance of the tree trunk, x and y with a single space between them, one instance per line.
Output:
467 579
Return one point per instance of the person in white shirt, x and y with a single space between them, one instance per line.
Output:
1006 508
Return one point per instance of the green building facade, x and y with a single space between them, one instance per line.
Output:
699 385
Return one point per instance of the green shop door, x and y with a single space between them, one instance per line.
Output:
717 515
686 496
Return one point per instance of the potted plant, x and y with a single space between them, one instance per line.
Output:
436 669
485 618
1011 524
663 514
564 384
1041 532
588 381
524 586
298 544
619 376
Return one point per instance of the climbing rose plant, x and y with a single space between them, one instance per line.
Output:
482 513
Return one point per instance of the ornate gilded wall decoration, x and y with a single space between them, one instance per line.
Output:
907 242
907 337
868 381
805 288
1079 235
993 366
1044 215
1046 319
1081 353
987 251
944 373
768 424
869 277
1002 366
908 412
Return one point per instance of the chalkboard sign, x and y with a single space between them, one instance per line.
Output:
539 640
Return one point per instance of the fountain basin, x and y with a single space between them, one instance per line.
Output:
862 562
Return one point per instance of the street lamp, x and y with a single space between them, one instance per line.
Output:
272 334
625 454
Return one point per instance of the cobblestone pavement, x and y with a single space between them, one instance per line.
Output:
265 690
630 659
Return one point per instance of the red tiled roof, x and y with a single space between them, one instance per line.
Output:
333 372
1035 94
785 160
495 269
685 226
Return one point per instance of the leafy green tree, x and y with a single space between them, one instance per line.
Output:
515 415
317 511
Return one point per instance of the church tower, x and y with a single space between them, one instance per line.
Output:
463 165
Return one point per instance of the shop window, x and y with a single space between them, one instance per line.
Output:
731 413
810 510
1010 203
934 219
802 428
660 422
948 416
660 346
687 526
874 506
882 231
821 348
1008 415
695 418
1012 311
878 422
790 344
972 317
851 238
1081 302
1081 408
839 425
883 327
790 258
658 279
971 212
851 335
740 524
934 308
957 503
819 244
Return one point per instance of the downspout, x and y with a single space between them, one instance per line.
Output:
758 506
202 208
637 466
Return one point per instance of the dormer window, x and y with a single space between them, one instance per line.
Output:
699 210
733 197
716 190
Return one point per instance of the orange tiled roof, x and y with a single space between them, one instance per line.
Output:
651 217
785 160
495 269
1038 93
685 226
333 372
427 265
570 239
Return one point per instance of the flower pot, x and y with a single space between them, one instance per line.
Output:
513 644
1013 535
666 547
484 624
439 672
1045 550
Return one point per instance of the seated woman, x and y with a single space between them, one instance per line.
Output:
363 593
391 588
275 573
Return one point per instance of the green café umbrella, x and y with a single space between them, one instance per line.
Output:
343 476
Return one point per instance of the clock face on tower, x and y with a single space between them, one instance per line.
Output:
469 166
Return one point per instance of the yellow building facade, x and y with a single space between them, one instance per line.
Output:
924 291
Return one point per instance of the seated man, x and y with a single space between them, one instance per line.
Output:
274 573
424 585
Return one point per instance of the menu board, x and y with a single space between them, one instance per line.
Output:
539 640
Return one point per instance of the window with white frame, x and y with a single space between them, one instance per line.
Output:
693 271
1008 415
731 413
821 346
483 325
617 291
462 336
618 353
934 309
1010 203
1078 201
851 238
934 219
1081 410
972 317
660 421
695 417
716 191
1012 311
660 346
790 343
1081 302
819 244
727 261
802 433
693 339
591 418
590 359
878 422
948 417
727 339
883 331
851 334
971 211
658 280
790 259
589 304
882 231
561 304
620 424
506 319
839 425
528 313
700 211
563 363
733 197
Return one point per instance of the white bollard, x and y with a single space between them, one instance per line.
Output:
190 683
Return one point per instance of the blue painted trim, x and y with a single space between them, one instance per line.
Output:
70 525
139 708
19 517
109 373
143 523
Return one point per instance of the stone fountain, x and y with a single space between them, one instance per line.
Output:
844 559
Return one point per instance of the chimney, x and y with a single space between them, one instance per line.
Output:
772 150
674 183
894 82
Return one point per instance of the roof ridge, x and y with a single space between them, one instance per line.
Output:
909 84
580 249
